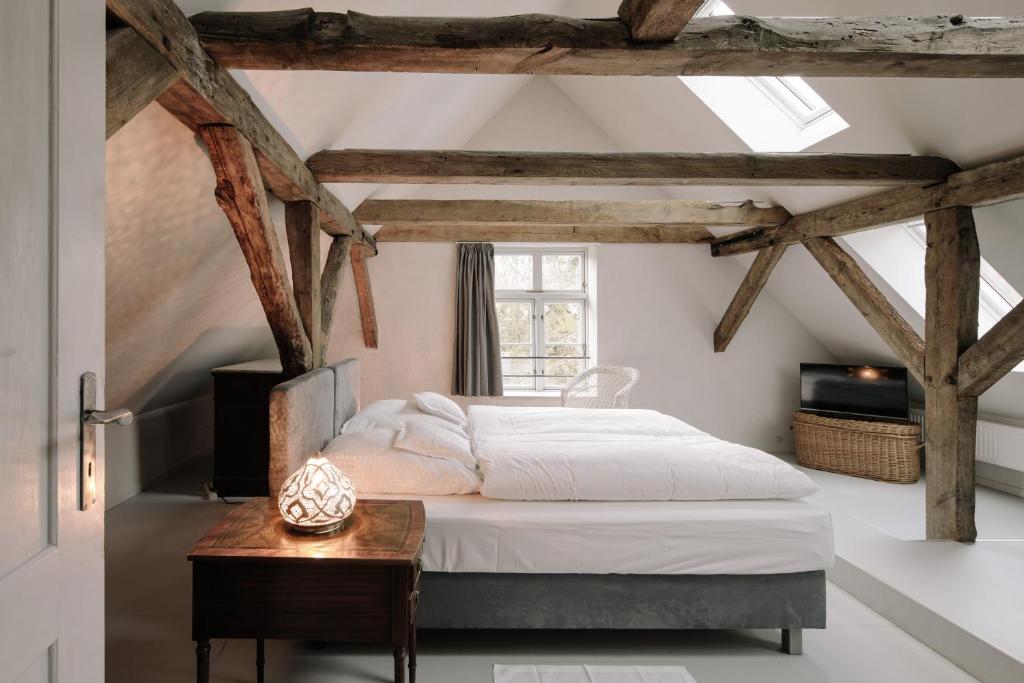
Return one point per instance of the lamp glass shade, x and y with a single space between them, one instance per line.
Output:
317 497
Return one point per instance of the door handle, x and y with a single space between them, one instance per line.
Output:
121 416
87 439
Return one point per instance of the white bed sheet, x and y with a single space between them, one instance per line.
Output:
572 454
475 534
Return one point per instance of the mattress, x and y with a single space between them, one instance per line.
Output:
476 534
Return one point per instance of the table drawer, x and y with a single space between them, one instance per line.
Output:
294 600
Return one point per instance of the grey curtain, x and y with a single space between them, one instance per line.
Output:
477 366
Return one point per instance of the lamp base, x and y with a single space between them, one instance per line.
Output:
313 530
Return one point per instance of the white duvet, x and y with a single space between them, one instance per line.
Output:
581 454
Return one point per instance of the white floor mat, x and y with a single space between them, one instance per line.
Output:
590 674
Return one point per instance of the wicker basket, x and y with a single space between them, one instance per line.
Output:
881 450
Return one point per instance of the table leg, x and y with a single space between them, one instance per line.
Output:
412 653
202 661
260 660
400 665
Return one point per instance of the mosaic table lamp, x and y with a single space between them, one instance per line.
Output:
317 498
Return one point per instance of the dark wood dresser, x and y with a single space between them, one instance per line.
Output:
241 426
253 578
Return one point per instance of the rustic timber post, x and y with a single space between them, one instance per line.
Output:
367 314
872 304
330 283
952 270
753 282
657 20
241 196
302 223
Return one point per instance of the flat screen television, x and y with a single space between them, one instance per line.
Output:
854 390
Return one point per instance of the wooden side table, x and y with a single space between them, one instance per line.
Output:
253 578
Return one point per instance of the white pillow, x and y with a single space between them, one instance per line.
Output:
442 406
375 466
434 441
394 414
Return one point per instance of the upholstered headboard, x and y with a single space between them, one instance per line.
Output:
306 413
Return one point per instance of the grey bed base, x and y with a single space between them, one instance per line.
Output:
309 411
790 602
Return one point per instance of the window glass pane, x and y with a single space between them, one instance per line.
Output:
807 95
515 322
563 322
515 330
513 271
563 343
715 8
517 374
770 114
558 371
562 271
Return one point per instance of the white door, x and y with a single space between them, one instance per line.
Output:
51 331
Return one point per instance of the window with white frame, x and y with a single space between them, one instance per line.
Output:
769 113
542 304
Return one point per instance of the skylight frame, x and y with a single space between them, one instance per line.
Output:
791 117
784 91
792 102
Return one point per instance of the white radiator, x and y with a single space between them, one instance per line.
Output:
997 443
917 415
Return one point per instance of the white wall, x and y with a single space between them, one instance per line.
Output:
157 442
658 307
179 300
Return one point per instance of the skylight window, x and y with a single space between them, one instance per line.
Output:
897 254
997 297
769 113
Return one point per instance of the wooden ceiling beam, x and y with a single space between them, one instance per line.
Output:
993 183
931 46
624 168
657 20
136 75
904 341
406 213
488 232
206 94
241 196
753 282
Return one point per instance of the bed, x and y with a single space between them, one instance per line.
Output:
491 563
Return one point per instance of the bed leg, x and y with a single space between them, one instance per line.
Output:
793 641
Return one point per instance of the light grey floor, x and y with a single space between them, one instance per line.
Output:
149 603
976 587
897 510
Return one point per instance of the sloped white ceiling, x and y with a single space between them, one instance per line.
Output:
177 279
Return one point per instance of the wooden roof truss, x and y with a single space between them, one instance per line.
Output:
156 53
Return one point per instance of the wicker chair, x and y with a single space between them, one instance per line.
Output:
605 386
